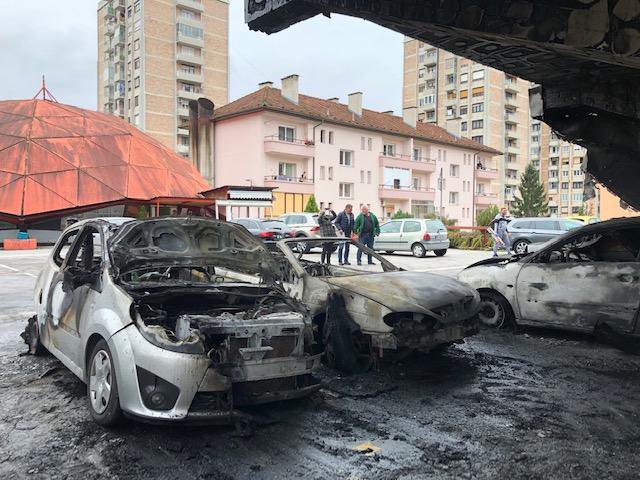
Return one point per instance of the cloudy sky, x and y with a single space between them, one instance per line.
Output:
333 57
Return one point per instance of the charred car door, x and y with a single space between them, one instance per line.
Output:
71 289
583 281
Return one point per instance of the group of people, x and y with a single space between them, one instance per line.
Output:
364 228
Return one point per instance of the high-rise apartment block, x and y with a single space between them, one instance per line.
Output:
492 107
156 55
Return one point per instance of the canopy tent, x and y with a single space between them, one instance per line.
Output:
56 159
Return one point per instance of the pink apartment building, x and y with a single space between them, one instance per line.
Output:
303 145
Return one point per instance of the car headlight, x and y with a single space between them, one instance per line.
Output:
189 342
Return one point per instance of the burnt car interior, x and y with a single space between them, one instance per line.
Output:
610 246
84 260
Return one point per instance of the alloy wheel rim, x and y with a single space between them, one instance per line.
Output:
521 247
491 313
417 251
100 381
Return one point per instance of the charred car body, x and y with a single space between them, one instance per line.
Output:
586 280
148 314
359 313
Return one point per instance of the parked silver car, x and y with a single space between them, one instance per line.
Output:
531 230
588 278
154 316
304 225
415 235
359 312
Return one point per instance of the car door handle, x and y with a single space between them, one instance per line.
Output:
626 278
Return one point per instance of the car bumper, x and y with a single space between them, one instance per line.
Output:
195 379
436 245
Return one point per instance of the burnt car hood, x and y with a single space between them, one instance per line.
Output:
504 260
406 291
190 242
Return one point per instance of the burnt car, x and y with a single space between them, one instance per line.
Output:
361 312
171 319
586 280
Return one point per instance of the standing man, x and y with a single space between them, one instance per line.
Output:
344 222
499 225
367 227
325 220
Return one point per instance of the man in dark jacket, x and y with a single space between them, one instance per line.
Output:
367 227
325 220
344 223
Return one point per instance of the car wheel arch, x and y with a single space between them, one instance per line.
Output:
512 317
93 339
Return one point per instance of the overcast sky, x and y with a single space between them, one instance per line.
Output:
333 57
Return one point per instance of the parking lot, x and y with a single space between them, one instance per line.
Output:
536 404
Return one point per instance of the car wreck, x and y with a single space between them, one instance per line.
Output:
588 280
155 317
359 313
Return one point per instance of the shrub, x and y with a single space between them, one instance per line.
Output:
469 240
312 206
484 217
401 214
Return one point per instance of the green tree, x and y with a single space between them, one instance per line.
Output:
532 200
401 214
312 206
484 217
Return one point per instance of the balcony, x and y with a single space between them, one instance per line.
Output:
191 41
511 117
183 112
190 59
189 77
511 86
406 193
183 131
422 164
486 199
195 5
486 173
513 149
293 148
189 95
290 184
182 148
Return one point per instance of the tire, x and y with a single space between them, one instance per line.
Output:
520 246
105 410
31 337
440 253
303 247
418 250
495 310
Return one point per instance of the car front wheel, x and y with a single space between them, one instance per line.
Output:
440 253
418 250
520 246
303 247
102 386
495 311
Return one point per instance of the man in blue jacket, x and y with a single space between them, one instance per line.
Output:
344 223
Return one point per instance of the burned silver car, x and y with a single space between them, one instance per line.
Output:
359 313
586 280
152 316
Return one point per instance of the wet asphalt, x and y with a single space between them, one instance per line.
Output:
536 404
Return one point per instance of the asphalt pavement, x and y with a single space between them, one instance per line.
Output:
536 404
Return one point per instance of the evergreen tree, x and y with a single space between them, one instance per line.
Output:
484 217
312 206
532 200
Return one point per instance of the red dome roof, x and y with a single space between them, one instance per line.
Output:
58 157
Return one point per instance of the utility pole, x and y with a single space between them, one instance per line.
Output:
441 188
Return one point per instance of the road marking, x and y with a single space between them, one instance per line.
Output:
16 270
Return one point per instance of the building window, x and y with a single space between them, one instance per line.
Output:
322 173
477 107
136 44
287 170
188 14
346 190
564 185
577 185
189 31
369 177
463 126
136 6
286 134
577 173
453 198
449 62
553 186
535 127
454 170
369 143
136 25
389 150
136 101
417 154
478 138
331 137
451 95
535 138
576 197
450 78
463 110
464 94
346 158
136 120
136 82
190 69
361 176
477 92
322 136
477 75
553 173
136 63
362 142
451 111
565 174
330 174
475 124
464 77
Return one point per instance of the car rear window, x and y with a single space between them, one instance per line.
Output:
545 225
434 225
